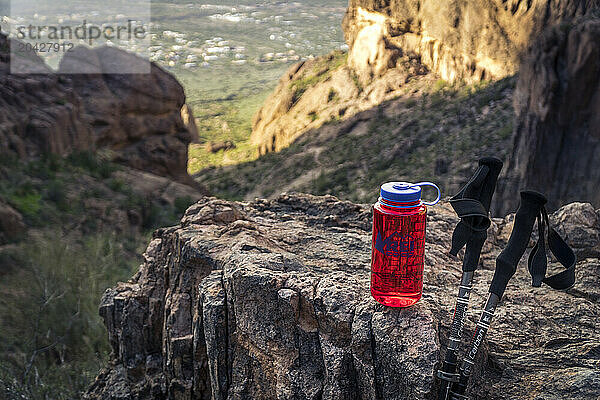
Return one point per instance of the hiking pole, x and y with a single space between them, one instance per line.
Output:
472 204
530 209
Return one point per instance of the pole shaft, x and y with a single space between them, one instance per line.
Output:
481 330
456 329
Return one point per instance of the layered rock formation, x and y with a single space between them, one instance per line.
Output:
322 90
456 40
468 40
556 147
143 118
270 300
39 113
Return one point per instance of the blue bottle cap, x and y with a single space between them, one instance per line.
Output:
402 192
406 192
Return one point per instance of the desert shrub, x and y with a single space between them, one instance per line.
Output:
181 204
439 85
27 203
332 96
92 163
56 192
117 185
53 340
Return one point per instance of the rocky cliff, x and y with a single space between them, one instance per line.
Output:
468 40
390 41
143 118
556 143
270 299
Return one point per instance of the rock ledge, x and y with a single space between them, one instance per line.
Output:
270 300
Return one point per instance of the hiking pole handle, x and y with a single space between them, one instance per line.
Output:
472 205
506 263
506 266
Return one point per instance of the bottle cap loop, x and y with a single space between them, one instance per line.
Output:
439 192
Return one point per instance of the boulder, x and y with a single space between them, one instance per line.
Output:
39 113
215 147
11 224
270 300
556 139
142 118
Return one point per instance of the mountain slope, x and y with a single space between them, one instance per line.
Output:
430 130
466 41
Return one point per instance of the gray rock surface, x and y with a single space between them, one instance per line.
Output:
270 300
556 140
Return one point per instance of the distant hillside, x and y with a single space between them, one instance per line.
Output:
430 129
425 89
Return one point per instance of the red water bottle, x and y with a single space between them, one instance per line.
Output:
398 245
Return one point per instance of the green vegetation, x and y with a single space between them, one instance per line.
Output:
53 340
78 243
319 72
332 96
356 81
428 133
228 115
55 191
228 86
225 120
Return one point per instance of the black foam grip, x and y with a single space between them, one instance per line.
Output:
473 250
459 237
489 185
472 204
506 263
538 262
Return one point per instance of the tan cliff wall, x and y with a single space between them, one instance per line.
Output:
455 40
466 40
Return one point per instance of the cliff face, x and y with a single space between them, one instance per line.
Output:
392 40
323 90
142 118
38 113
270 299
468 40
556 143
